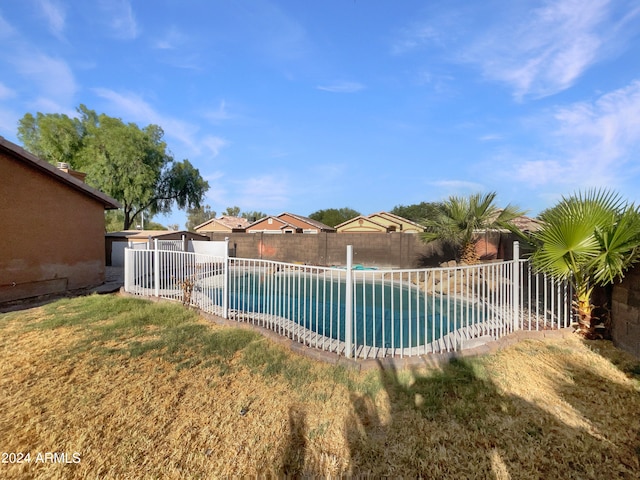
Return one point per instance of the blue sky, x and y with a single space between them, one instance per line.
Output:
304 105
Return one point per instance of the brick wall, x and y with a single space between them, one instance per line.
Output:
625 312
396 250
53 235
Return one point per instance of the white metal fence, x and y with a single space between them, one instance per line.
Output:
359 313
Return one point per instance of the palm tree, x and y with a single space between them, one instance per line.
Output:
458 220
590 240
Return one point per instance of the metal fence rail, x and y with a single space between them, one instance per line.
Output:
359 313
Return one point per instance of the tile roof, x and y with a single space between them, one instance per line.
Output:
310 221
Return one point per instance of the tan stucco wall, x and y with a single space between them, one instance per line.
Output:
387 222
391 221
368 228
52 235
362 225
213 227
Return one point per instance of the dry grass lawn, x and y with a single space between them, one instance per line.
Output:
142 390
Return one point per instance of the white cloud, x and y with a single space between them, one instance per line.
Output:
53 76
594 143
6 92
342 87
133 108
458 185
6 29
120 18
218 115
8 122
415 37
536 48
264 192
54 14
173 39
548 51
491 137
214 144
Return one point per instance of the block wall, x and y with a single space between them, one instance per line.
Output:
625 312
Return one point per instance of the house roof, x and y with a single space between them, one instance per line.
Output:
145 234
527 224
20 154
310 221
227 221
283 223
260 220
524 223
397 218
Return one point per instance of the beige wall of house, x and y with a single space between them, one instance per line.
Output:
393 221
52 234
361 225
394 226
213 227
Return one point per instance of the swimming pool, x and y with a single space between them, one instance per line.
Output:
391 314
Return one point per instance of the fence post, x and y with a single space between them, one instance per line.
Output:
225 280
348 326
127 269
156 268
516 286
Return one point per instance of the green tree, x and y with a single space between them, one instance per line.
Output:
52 137
334 216
253 216
417 212
232 211
113 220
198 215
458 220
129 163
589 239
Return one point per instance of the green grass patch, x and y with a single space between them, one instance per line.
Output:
457 391
273 361
109 326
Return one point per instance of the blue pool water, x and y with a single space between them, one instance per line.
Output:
392 316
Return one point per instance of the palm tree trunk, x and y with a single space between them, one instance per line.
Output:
584 309
468 254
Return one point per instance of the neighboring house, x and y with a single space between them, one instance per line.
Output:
361 224
225 224
396 223
308 225
381 222
53 227
490 244
272 224
116 242
288 223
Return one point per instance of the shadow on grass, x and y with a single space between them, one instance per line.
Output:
455 423
296 446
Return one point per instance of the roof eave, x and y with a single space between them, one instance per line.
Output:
23 156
